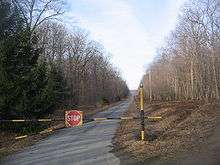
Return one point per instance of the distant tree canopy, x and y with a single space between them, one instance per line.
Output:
89 75
43 66
188 67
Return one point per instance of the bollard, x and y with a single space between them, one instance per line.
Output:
142 111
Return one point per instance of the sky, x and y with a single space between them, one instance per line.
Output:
131 30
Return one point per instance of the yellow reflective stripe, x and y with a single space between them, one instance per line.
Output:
101 118
154 117
44 120
42 132
142 135
46 131
20 137
124 118
50 130
141 98
18 120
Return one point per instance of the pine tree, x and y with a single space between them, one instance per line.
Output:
22 79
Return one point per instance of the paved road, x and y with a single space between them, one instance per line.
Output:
88 144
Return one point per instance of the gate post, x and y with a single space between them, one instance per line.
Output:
142 111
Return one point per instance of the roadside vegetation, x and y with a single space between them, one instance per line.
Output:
188 66
43 65
183 133
182 86
46 67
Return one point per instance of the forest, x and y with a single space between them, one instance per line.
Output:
44 65
188 66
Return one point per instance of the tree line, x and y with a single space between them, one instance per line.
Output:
44 66
188 66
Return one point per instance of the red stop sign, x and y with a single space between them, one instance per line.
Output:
73 118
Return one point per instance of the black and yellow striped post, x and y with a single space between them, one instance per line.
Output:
142 111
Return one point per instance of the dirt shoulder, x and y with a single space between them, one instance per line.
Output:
9 145
186 128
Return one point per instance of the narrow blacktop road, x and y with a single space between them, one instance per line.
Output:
87 144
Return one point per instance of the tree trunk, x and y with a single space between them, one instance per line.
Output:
150 87
192 79
215 77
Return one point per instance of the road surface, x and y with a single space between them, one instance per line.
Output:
87 144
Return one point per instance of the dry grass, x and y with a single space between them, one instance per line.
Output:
184 126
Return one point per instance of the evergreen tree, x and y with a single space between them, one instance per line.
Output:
10 56
24 84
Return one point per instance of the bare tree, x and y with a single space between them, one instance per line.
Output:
85 64
188 67
36 12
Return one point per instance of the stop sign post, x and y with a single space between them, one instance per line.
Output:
73 118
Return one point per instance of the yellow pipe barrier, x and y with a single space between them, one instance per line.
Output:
44 120
18 120
142 110
20 137
46 131
100 118
142 135
125 118
154 117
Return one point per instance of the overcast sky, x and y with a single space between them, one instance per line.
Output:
130 30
